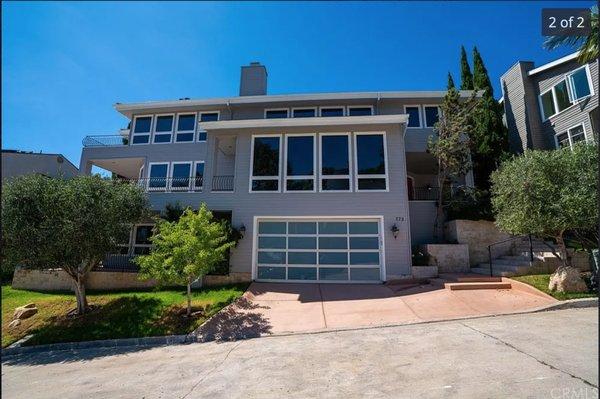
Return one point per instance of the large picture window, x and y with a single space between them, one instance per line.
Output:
266 160
335 162
186 128
300 163
163 129
371 168
142 126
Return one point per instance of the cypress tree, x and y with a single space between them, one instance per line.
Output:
466 78
481 80
450 84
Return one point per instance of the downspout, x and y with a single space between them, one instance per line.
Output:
377 103
230 110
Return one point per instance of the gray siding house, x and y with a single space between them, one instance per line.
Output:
19 163
331 187
551 106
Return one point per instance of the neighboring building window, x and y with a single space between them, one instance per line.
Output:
570 137
276 113
142 126
555 99
163 129
207 117
335 162
198 175
580 83
414 115
266 158
371 171
186 127
180 176
157 179
142 244
304 112
360 110
300 163
332 111
432 115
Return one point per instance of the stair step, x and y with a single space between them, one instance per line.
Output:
479 279
478 286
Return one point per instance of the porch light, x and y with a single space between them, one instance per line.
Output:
242 230
395 231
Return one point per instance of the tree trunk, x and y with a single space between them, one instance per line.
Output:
562 250
82 304
189 297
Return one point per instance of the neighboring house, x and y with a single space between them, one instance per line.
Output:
551 106
18 163
326 187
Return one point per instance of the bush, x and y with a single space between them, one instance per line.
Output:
470 204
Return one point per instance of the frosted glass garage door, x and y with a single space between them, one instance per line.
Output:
318 250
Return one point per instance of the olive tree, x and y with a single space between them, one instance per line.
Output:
185 250
68 224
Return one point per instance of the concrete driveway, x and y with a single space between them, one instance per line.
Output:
541 355
275 308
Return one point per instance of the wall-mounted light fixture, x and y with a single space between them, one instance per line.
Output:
242 230
395 230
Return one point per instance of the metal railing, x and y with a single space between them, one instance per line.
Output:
530 240
105 141
117 263
423 194
222 183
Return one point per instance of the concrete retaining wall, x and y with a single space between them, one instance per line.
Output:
449 258
478 234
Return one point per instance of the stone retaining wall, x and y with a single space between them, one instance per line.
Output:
449 258
478 234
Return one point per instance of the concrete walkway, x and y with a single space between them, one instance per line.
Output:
541 355
274 308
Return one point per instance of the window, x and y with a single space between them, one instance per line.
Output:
276 113
163 129
207 117
371 170
266 159
142 126
157 179
432 115
335 162
186 127
199 175
142 244
332 111
414 115
180 176
579 83
360 110
555 100
300 163
304 112
547 102
570 137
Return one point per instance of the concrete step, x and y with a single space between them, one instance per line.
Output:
478 286
479 279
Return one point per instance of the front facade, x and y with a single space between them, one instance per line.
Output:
551 106
326 187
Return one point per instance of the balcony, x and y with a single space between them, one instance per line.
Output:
222 183
185 184
114 140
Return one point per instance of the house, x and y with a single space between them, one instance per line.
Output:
18 163
330 187
551 106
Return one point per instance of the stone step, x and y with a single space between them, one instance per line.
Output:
478 286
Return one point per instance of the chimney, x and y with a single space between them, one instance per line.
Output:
253 80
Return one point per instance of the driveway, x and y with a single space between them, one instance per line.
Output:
542 355
275 308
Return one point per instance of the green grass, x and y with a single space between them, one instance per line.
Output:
125 314
541 281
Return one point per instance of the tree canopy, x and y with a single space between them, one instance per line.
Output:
466 77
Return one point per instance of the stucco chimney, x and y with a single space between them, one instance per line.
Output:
253 80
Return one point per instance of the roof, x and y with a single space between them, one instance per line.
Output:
554 63
20 152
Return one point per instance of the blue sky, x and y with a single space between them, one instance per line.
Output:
64 65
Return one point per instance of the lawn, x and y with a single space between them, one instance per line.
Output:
541 281
124 314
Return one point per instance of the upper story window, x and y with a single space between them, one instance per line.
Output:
157 178
414 115
574 87
163 129
580 83
186 128
570 137
276 113
180 176
335 162
207 117
304 112
371 168
332 111
199 175
432 115
300 163
266 161
142 126
361 110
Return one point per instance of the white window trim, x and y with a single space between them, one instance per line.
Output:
154 132
363 176
193 184
185 131
332 177
265 177
287 111
171 177
344 113
425 115
570 87
314 109
149 133
359 106
421 113
197 136
312 177
586 138
158 189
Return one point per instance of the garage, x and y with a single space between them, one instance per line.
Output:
318 250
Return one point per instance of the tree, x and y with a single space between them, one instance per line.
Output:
185 250
588 44
466 78
450 84
547 193
450 146
68 224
